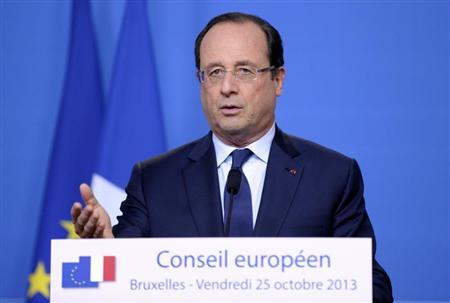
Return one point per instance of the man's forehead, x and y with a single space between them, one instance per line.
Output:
234 30
243 41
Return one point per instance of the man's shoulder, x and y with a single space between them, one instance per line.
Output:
318 159
174 158
308 148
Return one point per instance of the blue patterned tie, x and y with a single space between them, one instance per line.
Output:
241 224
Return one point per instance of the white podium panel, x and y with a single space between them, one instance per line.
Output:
212 270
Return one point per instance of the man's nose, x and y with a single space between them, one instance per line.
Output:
229 84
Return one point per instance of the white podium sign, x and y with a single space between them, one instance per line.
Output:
212 270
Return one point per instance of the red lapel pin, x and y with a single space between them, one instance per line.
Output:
292 171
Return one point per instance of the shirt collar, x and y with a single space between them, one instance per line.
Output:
260 148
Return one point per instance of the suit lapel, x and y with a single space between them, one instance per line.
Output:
284 171
202 188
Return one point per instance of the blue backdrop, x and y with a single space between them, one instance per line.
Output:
367 78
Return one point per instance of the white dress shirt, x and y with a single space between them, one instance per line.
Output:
254 168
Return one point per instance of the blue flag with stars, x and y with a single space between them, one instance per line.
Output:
74 146
77 274
133 127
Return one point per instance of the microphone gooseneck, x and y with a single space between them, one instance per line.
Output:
233 185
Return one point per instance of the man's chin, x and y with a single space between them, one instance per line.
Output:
233 135
233 130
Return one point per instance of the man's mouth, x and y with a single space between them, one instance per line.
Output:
230 110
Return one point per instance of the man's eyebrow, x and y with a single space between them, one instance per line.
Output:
244 62
213 64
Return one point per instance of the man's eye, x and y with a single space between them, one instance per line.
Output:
216 72
244 71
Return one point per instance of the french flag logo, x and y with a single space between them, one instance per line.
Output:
89 271
103 268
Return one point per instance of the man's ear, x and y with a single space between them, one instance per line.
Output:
279 80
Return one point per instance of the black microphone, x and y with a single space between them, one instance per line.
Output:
232 186
234 181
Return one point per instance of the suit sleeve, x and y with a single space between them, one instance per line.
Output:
134 220
352 220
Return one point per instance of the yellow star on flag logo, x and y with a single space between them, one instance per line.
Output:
70 228
39 281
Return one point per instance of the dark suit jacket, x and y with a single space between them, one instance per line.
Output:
309 191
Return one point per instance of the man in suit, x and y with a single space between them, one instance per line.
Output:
291 187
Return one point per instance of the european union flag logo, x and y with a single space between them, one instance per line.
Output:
78 275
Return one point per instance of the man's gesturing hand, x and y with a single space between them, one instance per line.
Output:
92 221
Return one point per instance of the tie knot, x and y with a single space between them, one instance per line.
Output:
240 156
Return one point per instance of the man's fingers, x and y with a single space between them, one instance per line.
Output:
92 220
75 211
98 233
82 219
87 195
90 226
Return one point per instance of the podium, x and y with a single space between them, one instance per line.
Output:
211 270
